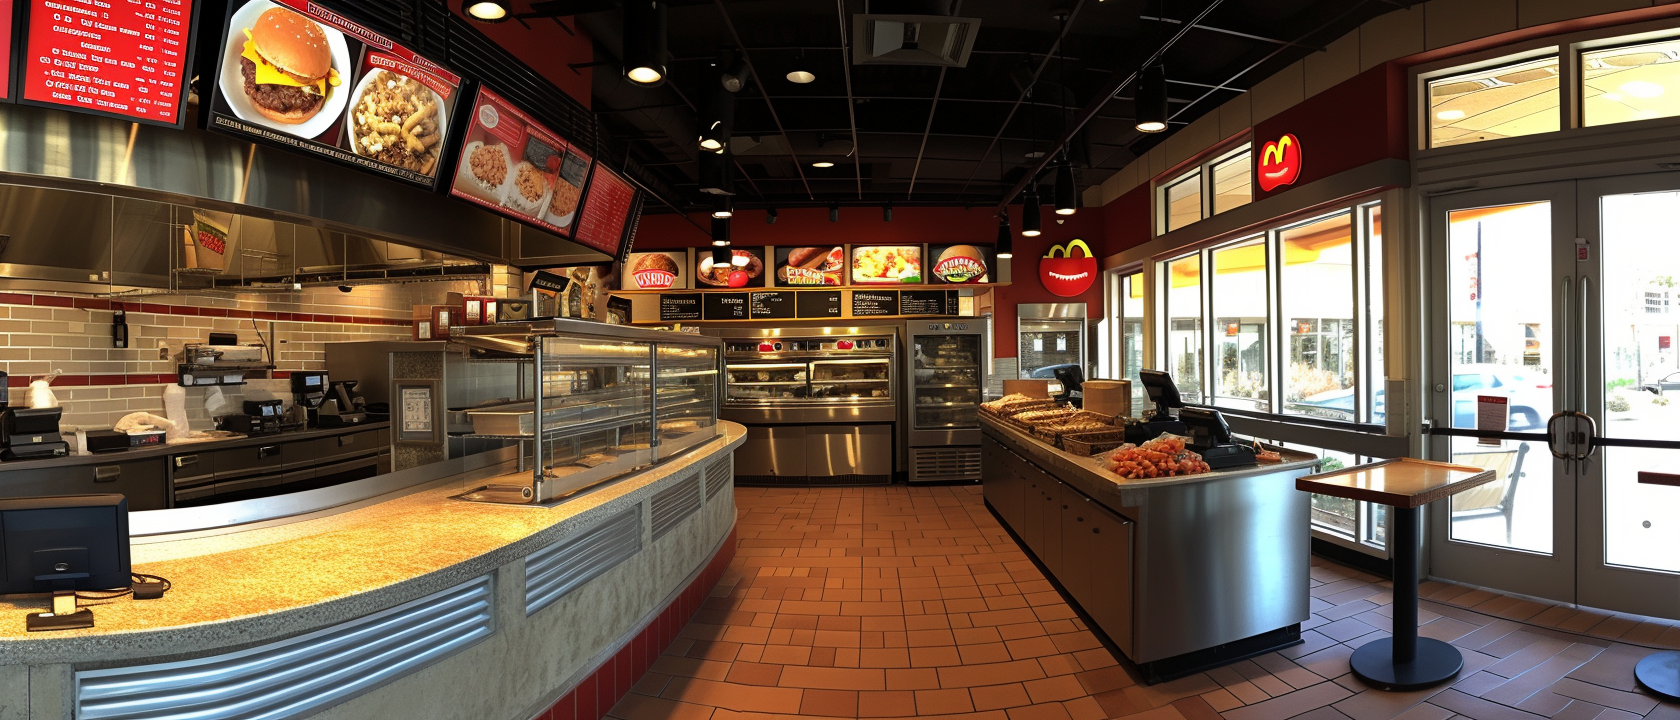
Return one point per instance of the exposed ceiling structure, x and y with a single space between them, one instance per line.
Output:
951 129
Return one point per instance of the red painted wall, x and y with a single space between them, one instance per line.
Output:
1126 221
864 226
547 48
1358 122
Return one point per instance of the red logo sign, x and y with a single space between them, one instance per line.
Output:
1280 163
960 269
1067 275
654 279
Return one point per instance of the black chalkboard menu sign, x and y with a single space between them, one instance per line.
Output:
818 304
679 307
927 302
724 306
771 305
867 303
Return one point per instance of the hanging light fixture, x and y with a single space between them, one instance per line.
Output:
717 120
799 74
735 76
1029 212
1066 194
487 11
834 212
644 41
822 164
770 216
1150 99
1005 241
720 235
886 212
724 208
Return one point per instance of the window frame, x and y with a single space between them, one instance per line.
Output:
1203 171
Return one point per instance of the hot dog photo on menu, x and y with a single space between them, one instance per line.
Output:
819 266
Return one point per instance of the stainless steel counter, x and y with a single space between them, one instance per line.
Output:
1181 573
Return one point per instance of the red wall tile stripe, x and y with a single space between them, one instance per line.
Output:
156 309
598 693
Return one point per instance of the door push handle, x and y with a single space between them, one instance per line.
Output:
107 473
346 440
182 461
268 451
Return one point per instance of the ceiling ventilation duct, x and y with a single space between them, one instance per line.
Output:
934 40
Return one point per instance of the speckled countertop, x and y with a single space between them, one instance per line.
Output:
1090 470
254 586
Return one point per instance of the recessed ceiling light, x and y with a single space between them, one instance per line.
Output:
801 77
822 164
1641 88
487 10
1449 115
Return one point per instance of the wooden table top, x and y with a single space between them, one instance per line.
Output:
1400 483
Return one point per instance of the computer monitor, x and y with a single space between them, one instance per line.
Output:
1161 390
1071 377
67 542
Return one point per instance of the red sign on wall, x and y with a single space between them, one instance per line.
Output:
1065 274
1280 163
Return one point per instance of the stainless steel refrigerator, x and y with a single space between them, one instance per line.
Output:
946 376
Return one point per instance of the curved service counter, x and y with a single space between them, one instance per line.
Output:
1181 573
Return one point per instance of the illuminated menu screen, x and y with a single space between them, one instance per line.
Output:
123 58
516 166
606 210
5 47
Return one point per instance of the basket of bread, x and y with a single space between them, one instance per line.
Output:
1010 405
1083 421
1032 418
1087 444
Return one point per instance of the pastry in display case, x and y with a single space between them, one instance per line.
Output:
608 400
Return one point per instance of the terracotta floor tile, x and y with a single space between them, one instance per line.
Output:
1061 687
886 703
983 654
976 636
643 707
1033 647
993 674
754 673
943 702
1054 665
998 697
912 679
822 657
830 703
786 654
935 656
1047 711
741 698
833 678
884 658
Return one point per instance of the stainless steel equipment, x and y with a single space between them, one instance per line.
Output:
1051 336
821 404
946 377
604 400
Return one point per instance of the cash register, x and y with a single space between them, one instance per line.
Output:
1209 434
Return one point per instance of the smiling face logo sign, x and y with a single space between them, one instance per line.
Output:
1065 274
1280 163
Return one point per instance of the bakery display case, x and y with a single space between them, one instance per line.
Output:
606 400
947 367
822 405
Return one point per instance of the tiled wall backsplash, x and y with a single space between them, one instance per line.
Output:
40 333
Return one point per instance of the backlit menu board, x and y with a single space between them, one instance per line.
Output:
119 58
519 168
295 74
606 211
5 48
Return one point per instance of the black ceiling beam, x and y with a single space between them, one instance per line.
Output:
851 104
1096 105
938 87
1234 33
747 58
1060 37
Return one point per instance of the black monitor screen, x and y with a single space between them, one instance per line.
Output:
71 542
1162 391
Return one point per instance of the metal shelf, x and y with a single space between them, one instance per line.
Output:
948 386
970 366
848 382
768 382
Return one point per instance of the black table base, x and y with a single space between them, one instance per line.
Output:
1405 661
1660 673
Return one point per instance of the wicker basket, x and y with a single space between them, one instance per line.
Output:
1091 443
1019 407
1027 423
1054 430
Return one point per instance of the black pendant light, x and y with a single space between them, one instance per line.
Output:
1005 241
717 119
834 212
770 216
1151 99
720 238
1029 212
1066 194
644 41
886 212
723 208
487 11
735 76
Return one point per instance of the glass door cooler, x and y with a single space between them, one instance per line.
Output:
947 376
821 405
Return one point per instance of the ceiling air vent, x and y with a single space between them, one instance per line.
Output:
935 40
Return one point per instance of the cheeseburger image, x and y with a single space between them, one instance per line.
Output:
960 264
287 66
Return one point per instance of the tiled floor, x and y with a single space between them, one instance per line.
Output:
899 602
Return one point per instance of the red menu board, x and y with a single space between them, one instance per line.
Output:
516 166
606 211
344 92
5 48
120 58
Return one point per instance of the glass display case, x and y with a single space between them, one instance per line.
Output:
947 364
802 372
609 400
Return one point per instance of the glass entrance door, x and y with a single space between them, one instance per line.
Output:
1559 303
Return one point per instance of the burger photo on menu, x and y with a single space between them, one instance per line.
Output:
960 264
284 71
887 264
745 269
811 266
658 270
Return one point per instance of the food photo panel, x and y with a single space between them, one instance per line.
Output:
518 167
820 266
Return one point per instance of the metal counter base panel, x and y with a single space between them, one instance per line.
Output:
816 455
1171 668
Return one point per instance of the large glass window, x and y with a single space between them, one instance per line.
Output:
1184 201
1633 82
1493 103
1317 296
1131 334
1241 325
1376 404
1233 181
1184 325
